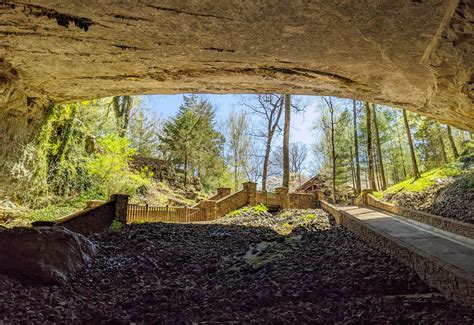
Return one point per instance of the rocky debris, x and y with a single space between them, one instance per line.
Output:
193 273
283 222
450 198
48 255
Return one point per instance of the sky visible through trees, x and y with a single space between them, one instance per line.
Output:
302 123
87 148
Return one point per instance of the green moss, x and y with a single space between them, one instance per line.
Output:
258 209
308 217
426 180
378 195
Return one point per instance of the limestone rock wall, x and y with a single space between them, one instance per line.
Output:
412 54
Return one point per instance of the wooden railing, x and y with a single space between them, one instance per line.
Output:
147 213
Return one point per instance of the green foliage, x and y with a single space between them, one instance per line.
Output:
190 139
308 217
116 226
110 168
239 212
426 180
143 133
256 210
259 208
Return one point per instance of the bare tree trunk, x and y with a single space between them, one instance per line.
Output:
356 148
265 165
333 150
185 168
410 145
372 184
395 179
401 153
379 152
441 143
286 142
376 165
452 144
236 176
352 169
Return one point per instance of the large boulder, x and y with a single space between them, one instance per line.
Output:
44 254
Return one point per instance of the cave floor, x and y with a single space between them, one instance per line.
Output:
190 273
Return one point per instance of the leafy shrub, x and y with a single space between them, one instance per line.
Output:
116 226
259 208
110 169
308 217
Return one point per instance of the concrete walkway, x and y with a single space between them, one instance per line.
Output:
452 249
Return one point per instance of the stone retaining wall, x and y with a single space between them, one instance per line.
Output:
221 193
452 282
231 202
97 218
331 209
454 226
303 201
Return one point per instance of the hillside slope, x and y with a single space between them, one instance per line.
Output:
447 191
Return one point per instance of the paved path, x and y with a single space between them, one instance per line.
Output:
455 250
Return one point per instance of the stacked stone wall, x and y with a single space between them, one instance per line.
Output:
303 201
454 226
97 218
232 202
452 282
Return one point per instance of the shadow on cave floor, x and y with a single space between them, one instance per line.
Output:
184 273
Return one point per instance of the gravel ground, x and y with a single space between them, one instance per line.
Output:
229 272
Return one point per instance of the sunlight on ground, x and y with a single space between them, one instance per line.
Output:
426 180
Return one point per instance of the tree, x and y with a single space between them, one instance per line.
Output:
370 153
110 167
441 143
410 145
356 148
190 138
122 106
451 143
239 143
143 133
383 180
298 155
270 108
330 125
286 142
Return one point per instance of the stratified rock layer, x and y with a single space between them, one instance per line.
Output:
413 54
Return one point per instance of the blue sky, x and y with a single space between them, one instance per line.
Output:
302 124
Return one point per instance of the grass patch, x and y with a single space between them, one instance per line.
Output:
426 180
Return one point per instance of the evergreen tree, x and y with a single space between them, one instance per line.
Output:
190 139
